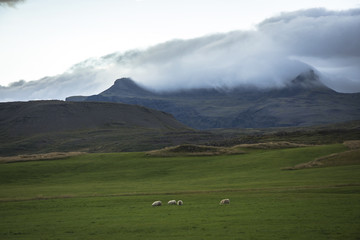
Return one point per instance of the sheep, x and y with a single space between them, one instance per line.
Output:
225 201
156 203
180 202
172 202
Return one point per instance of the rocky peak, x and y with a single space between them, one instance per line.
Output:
124 82
308 80
125 87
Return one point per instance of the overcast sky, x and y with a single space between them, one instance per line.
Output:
41 40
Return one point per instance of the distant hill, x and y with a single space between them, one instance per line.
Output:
34 117
304 101
44 126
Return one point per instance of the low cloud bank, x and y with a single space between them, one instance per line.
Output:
278 50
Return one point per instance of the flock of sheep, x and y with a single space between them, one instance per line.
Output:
180 202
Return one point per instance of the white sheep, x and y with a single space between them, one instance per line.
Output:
172 202
156 203
225 201
180 202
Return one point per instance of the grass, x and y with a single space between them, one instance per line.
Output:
37 157
266 215
193 150
351 157
354 144
109 196
272 145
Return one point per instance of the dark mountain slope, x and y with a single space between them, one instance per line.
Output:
27 118
45 126
304 101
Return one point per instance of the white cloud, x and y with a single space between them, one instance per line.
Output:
278 50
327 40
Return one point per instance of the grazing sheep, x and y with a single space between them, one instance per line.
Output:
156 203
180 202
172 202
225 201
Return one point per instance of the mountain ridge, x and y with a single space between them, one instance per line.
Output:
303 101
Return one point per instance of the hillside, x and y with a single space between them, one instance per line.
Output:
27 118
43 126
304 101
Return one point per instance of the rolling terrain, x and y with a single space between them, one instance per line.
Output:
109 196
303 101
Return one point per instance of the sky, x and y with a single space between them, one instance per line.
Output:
54 49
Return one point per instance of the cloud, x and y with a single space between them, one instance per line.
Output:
223 60
10 3
79 81
316 32
275 52
327 40
279 49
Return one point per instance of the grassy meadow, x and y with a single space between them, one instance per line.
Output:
109 196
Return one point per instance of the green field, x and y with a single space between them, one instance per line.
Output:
109 196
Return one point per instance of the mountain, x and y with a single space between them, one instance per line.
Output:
303 101
27 118
45 126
